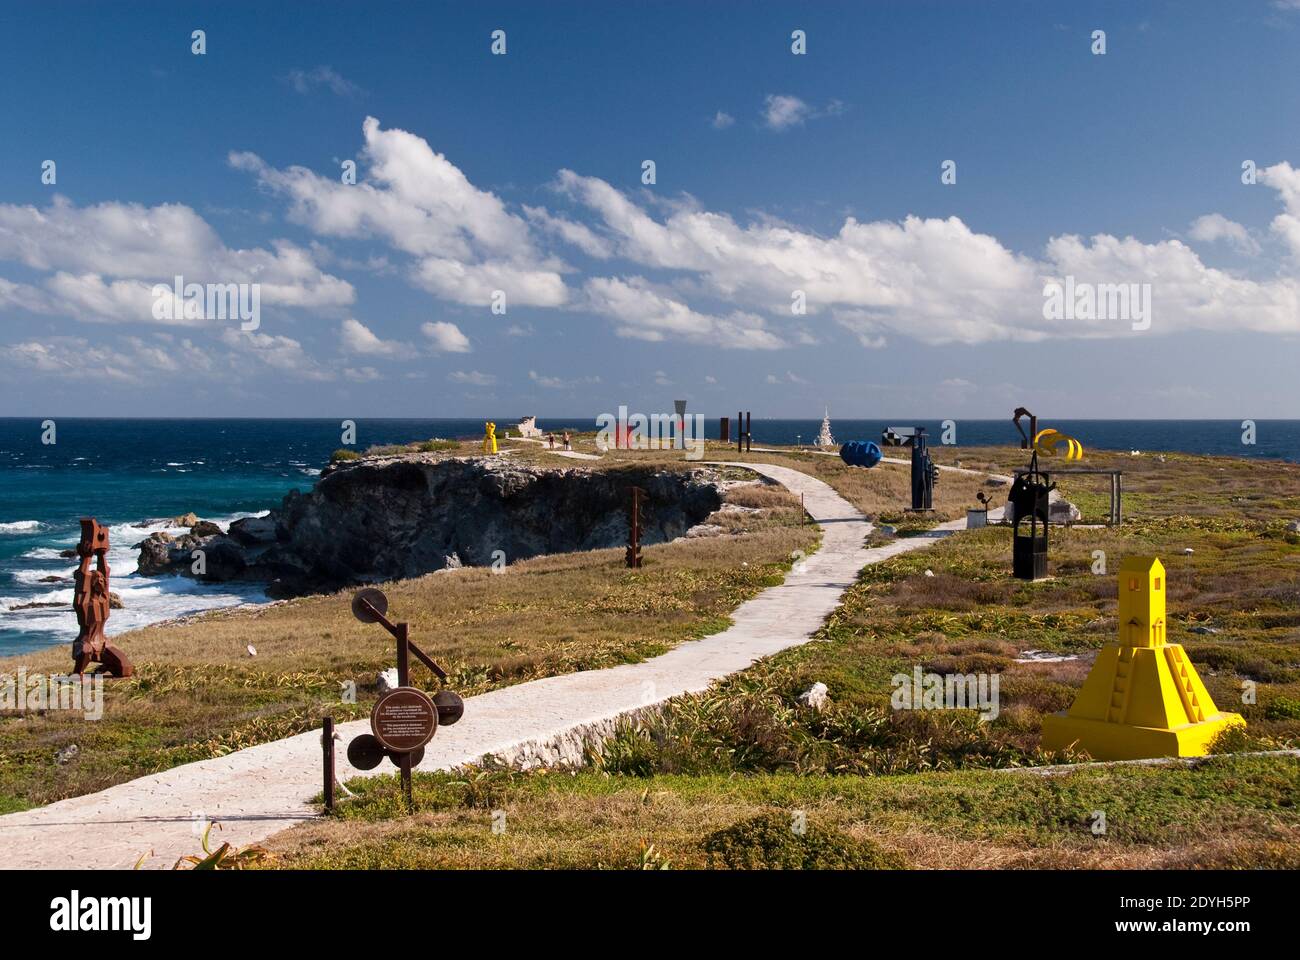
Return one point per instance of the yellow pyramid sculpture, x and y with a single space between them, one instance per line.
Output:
1143 697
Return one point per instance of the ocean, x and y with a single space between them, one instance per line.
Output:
136 474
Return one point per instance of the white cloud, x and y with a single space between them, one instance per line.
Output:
446 337
463 241
1214 227
933 280
356 337
102 261
282 354
361 374
472 377
305 81
722 120
641 313
577 234
558 383
782 111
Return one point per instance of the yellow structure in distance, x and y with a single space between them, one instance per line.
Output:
490 439
1143 698
1048 442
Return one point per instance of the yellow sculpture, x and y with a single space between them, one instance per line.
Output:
1048 441
490 440
1143 698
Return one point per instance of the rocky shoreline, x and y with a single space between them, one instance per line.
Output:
374 520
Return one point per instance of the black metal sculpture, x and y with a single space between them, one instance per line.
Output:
924 472
1029 503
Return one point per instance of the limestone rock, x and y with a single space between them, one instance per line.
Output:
67 754
185 520
206 528
155 554
253 530
371 521
815 696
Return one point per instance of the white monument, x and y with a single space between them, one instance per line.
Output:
528 427
824 439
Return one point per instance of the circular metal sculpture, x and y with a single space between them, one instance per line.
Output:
403 720
370 605
450 707
365 752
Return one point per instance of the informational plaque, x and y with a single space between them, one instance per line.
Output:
404 719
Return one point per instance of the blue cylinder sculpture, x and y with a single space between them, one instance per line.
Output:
860 453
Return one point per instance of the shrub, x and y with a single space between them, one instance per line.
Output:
770 842
1282 708
340 455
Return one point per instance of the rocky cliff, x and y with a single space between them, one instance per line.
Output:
376 520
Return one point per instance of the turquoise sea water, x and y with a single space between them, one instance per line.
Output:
134 474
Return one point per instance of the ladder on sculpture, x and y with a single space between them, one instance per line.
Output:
1120 690
1178 667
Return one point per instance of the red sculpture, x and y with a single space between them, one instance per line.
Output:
90 598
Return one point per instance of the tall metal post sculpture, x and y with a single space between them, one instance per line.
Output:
724 430
1026 439
744 436
405 718
924 473
1029 501
679 408
633 555
92 603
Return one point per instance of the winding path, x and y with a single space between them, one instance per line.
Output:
261 790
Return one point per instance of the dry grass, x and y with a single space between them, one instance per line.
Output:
1229 812
747 747
198 693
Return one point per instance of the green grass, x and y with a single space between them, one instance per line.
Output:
198 694
1222 812
925 788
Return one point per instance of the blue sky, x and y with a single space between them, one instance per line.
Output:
775 173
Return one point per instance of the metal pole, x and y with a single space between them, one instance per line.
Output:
403 656
327 750
749 435
740 432
404 760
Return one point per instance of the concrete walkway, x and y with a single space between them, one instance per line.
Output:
259 791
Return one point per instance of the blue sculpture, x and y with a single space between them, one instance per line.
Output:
860 453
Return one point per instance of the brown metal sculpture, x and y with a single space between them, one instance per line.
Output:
91 601
634 530
404 718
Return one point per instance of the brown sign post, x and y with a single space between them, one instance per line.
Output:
633 556
404 719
